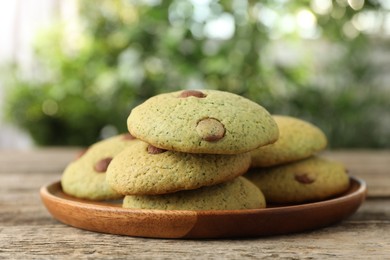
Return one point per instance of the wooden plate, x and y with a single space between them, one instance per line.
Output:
109 217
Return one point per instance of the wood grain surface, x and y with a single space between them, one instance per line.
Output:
27 230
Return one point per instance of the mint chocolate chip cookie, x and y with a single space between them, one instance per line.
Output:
143 169
86 176
298 139
202 121
236 194
311 179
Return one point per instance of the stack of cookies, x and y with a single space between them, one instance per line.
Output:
206 150
193 147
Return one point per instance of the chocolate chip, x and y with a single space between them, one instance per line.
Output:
210 129
128 137
192 93
304 178
154 150
101 166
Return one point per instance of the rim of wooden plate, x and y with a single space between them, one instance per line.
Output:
110 217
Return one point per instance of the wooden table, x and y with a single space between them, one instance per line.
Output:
28 231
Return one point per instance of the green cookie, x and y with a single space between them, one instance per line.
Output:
298 139
311 179
236 194
202 121
86 177
143 169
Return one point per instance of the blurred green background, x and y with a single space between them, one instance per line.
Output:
311 59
